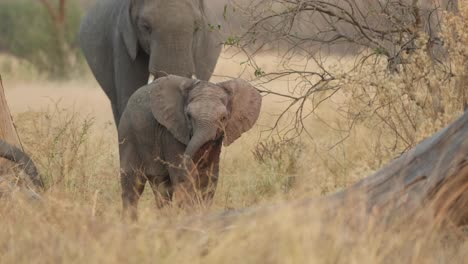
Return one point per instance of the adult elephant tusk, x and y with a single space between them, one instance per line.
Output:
157 75
151 78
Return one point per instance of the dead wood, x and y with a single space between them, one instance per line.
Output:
427 185
7 129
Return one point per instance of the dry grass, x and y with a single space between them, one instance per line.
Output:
67 128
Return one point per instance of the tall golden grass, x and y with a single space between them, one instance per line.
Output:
67 129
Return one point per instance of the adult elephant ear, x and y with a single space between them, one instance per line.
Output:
245 106
127 30
168 102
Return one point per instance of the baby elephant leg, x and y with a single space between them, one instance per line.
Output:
184 181
162 189
132 180
182 171
133 184
208 167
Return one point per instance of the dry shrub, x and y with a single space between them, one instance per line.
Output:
280 159
70 155
402 108
456 41
387 102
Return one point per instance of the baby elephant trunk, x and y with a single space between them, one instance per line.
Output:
186 191
203 133
197 141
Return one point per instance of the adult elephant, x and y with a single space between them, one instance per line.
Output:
124 41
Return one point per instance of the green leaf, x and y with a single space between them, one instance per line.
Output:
379 50
259 72
232 41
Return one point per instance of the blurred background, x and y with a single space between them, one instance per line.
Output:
41 35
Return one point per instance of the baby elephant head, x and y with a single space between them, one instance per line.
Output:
197 112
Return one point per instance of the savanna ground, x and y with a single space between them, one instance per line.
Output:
67 128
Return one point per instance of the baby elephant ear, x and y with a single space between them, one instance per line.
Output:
245 102
167 104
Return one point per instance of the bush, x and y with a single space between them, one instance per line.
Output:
70 155
29 32
280 160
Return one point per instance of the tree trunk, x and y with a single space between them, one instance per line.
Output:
58 17
7 129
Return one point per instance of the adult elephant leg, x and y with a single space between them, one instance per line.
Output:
95 42
101 63
129 76
115 112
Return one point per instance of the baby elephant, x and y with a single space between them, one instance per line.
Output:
171 134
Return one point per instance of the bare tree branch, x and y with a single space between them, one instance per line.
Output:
371 31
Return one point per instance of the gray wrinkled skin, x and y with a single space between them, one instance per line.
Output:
125 40
175 126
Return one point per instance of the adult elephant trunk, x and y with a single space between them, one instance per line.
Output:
172 54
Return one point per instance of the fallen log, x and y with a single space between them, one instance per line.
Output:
430 180
428 183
